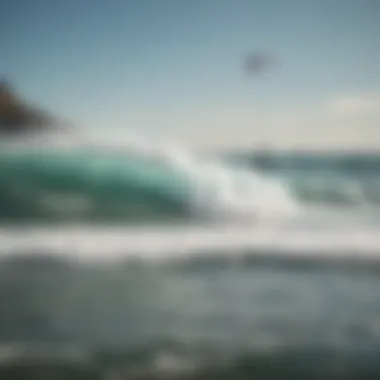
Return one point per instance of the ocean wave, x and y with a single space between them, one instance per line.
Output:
131 179
137 180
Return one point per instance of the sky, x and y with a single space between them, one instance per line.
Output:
176 68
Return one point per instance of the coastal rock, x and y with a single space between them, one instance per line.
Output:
17 116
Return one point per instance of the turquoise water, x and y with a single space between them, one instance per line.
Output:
105 187
98 186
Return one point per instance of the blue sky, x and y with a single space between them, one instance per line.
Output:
175 66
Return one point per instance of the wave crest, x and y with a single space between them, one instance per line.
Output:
91 178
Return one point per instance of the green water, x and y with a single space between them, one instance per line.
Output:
55 186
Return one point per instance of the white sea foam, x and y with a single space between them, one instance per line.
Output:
107 243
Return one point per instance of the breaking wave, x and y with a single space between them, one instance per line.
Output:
130 179
137 181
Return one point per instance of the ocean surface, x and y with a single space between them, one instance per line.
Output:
157 262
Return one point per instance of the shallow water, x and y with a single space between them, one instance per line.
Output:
198 315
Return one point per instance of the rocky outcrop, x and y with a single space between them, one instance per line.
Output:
17 116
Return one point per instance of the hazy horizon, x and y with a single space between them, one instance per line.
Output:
176 68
